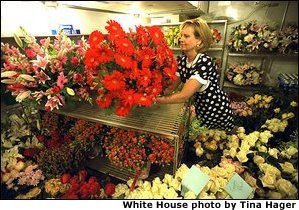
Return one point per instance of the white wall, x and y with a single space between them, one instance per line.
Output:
38 19
245 11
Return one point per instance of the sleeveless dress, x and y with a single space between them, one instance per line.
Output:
212 105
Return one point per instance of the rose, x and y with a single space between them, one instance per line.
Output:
65 178
287 188
268 180
287 167
109 189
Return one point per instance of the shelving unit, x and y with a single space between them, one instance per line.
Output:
213 49
169 121
266 59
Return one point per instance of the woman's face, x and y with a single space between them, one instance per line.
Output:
188 41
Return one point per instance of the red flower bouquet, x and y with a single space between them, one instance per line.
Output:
46 72
129 69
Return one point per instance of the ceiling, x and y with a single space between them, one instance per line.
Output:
136 7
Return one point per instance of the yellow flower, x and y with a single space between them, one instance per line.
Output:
241 130
232 152
277 110
274 195
204 195
167 178
199 151
242 156
264 136
175 184
273 152
262 149
257 97
244 113
287 167
268 180
258 159
19 166
291 115
190 195
250 101
291 151
170 193
284 116
294 104
287 188
269 99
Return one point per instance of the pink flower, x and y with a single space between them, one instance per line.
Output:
54 102
61 80
30 53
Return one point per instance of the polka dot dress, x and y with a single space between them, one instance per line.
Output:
211 103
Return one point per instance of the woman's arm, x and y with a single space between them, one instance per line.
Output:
188 90
175 85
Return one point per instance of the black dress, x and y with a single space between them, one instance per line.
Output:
211 103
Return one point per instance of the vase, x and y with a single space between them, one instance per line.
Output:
94 152
145 171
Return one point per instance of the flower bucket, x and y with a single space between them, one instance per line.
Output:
145 171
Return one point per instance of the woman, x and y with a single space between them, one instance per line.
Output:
198 72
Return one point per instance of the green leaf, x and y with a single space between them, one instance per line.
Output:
18 40
110 110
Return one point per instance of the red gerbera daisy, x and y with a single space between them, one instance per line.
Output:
144 78
123 61
104 101
146 55
91 58
143 100
122 109
95 38
115 81
115 30
124 46
105 54
156 34
142 36
154 90
128 97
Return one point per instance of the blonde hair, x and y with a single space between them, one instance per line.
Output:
202 31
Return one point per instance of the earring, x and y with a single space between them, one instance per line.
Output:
197 45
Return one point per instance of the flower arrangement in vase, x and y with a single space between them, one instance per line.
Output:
49 72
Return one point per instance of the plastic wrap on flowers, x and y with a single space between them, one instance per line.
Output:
129 68
50 72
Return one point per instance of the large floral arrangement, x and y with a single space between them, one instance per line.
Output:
288 40
129 68
132 151
49 72
253 37
244 74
